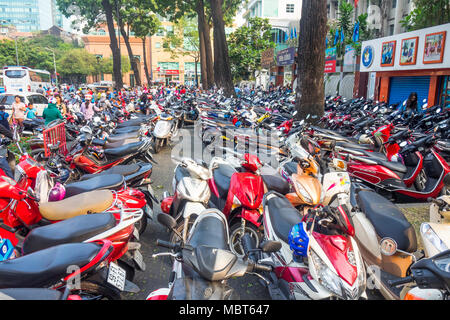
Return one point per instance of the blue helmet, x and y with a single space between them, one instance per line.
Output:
299 240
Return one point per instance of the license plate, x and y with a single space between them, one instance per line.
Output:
136 232
139 259
117 276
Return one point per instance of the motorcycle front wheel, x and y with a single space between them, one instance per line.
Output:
157 145
235 237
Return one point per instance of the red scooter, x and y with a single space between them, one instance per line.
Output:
239 196
389 177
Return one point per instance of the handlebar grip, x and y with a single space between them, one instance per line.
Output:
165 244
394 283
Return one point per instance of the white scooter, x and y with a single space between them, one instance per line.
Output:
166 128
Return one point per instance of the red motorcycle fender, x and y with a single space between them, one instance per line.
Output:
252 216
160 294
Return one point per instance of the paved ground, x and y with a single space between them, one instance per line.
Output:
158 270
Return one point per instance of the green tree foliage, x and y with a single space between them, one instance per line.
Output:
427 13
246 45
184 40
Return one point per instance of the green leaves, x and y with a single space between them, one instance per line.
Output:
245 46
427 13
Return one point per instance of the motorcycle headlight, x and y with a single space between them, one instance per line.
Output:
327 278
303 192
428 233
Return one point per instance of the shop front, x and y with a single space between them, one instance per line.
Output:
417 61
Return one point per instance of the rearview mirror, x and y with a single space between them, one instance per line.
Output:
270 246
167 221
295 112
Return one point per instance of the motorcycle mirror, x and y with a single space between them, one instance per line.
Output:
270 246
272 125
302 122
365 107
167 221
388 246
376 109
438 110
403 144
308 116
295 112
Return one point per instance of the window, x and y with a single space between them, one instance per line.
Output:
158 45
391 30
290 8
394 4
160 32
15 74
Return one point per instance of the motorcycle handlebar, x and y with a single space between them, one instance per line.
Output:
394 283
254 267
165 244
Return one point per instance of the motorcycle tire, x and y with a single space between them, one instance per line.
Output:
141 225
93 291
420 181
255 235
157 145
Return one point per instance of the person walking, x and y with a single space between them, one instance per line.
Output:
52 112
18 109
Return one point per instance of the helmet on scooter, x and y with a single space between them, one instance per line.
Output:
365 139
57 193
299 240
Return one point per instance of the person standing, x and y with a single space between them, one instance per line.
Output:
18 109
52 112
61 105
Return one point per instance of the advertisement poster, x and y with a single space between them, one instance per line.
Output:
349 59
330 60
287 78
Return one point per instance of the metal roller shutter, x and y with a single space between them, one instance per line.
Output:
401 88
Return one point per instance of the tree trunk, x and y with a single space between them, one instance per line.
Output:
222 71
117 68
201 30
134 65
311 60
209 54
147 75
196 73
386 6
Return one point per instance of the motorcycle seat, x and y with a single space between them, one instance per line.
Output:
30 294
127 129
123 136
111 181
222 178
130 123
120 143
283 216
276 183
210 232
391 165
387 220
46 267
357 146
123 170
74 230
81 204
124 150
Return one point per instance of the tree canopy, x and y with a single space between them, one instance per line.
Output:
427 13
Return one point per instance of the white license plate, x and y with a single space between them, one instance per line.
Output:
117 276
139 259
136 232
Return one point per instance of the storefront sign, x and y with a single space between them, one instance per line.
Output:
330 60
171 72
286 57
330 66
416 50
267 60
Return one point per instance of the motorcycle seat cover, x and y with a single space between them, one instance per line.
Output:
388 220
210 232
222 178
276 183
123 136
110 181
74 230
290 167
120 143
391 165
46 267
29 294
357 146
81 204
283 216
124 150
123 170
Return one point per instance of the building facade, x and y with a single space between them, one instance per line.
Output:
31 15
387 25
